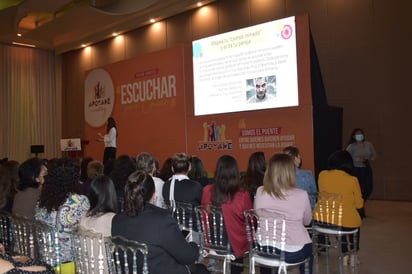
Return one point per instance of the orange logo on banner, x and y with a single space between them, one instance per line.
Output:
99 97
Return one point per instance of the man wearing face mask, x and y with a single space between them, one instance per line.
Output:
362 153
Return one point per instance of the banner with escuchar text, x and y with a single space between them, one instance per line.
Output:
145 96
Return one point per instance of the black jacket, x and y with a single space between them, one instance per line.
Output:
186 191
169 252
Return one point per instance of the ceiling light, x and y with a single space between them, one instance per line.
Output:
114 33
23 44
84 45
199 4
19 34
152 20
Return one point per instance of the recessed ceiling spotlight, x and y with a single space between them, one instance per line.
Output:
83 45
114 33
152 20
199 4
19 34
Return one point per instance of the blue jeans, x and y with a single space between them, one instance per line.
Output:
295 257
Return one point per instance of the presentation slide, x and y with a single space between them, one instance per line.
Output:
247 69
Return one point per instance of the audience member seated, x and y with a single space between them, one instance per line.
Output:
10 181
179 187
147 163
166 172
5 189
157 168
60 206
83 168
142 221
31 175
197 172
337 179
304 178
94 169
123 166
103 206
83 174
227 193
253 178
22 265
280 194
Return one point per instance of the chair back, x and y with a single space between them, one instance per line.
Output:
183 213
35 239
24 235
126 256
328 210
89 251
48 245
6 233
212 227
266 233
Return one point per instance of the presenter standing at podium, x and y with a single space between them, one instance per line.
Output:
109 140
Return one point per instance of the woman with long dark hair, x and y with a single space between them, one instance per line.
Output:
109 139
121 169
255 172
60 206
142 221
227 193
198 172
103 206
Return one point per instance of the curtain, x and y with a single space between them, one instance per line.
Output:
30 104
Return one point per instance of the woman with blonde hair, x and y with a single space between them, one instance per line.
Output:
279 194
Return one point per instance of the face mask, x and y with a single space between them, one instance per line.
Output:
359 137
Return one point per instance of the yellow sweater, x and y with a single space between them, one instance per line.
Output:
338 181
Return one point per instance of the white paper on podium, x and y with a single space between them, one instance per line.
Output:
72 144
